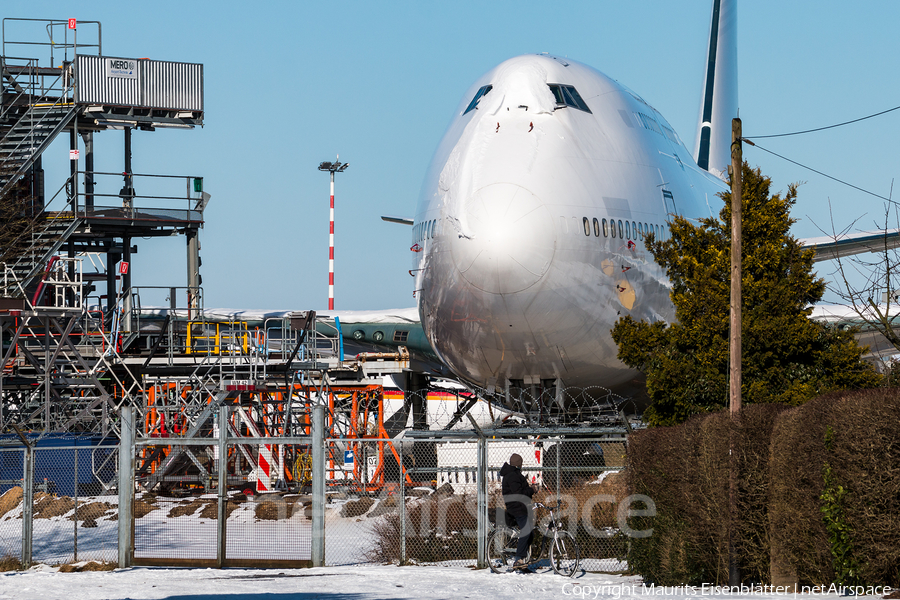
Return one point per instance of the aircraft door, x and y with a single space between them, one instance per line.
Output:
669 200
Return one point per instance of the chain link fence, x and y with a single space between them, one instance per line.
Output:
271 529
423 497
12 461
428 511
185 519
58 502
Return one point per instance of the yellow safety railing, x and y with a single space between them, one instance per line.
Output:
226 337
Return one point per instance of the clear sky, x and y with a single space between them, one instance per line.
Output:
290 84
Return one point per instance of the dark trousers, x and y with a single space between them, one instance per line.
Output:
524 540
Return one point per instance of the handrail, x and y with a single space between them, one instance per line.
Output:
157 175
28 78
48 218
285 341
192 198
31 135
333 343
53 44
223 334
39 292
44 100
31 65
37 226
9 287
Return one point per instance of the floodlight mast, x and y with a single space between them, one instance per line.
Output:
335 167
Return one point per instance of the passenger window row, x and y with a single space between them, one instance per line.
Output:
424 231
627 230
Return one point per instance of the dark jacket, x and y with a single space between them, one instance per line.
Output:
515 484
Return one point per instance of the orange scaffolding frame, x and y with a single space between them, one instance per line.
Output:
363 407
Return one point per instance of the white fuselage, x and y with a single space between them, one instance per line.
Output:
521 266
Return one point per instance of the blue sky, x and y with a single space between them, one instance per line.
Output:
290 84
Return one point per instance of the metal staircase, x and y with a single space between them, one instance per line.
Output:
46 239
33 114
29 137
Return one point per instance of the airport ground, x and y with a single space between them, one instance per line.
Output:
354 583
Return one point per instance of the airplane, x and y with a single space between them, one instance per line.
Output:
528 238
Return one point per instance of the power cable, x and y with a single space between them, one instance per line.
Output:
878 114
821 173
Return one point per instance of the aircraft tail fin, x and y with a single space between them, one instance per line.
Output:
720 91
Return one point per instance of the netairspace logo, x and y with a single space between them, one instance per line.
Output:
618 590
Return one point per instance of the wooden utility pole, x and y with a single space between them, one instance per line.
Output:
737 161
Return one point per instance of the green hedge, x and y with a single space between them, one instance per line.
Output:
685 470
819 485
847 531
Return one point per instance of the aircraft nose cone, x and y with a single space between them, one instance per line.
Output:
507 240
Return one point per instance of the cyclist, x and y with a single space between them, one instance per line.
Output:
517 496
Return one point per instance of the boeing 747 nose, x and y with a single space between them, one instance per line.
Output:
529 236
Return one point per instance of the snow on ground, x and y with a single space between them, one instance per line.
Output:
339 583
347 539
191 534
54 537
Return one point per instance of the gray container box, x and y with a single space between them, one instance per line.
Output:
138 83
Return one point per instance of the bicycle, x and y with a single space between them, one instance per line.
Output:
563 554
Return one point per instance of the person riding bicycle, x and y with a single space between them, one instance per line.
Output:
517 496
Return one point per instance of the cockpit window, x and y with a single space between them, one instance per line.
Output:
557 93
567 95
482 91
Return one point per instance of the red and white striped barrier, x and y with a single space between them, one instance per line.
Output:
264 469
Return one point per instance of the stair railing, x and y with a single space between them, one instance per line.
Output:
32 142
30 88
39 246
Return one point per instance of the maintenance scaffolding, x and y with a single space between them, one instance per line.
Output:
78 344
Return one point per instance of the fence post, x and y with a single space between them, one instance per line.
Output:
27 504
75 528
402 507
481 481
318 486
559 451
221 513
126 487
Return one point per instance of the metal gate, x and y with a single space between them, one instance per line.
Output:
217 519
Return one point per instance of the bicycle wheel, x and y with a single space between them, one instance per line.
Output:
501 549
564 554
539 553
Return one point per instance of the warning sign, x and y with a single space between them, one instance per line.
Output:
72 23
123 268
73 154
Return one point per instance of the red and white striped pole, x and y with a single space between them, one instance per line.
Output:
331 250
335 167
